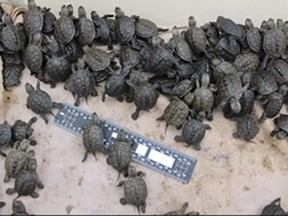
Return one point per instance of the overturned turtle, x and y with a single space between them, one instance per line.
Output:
120 155
39 101
135 189
92 136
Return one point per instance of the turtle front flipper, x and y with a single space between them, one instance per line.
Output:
2 154
34 195
135 115
123 201
2 204
6 178
10 191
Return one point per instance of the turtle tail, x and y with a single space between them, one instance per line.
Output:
17 197
138 209
119 172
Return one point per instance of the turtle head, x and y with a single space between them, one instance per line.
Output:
32 165
121 136
132 171
70 10
192 22
94 15
249 24
279 23
157 41
205 80
271 23
175 32
94 118
81 12
7 19
29 88
184 207
235 105
18 207
32 5
24 145
66 11
119 12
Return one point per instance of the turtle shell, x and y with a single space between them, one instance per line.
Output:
12 74
33 21
97 59
49 21
145 97
73 51
39 102
124 29
203 99
33 57
274 104
247 127
135 191
92 138
25 183
228 26
160 60
254 39
15 161
5 134
182 88
86 31
247 62
279 69
274 43
196 38
145 28
264 83
58 68
64 30
115 85
128 57
13 37
222 69
282 122
183 50
273 209
193 132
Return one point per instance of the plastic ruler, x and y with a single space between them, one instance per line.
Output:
144 150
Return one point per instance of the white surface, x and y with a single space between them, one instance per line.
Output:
161 158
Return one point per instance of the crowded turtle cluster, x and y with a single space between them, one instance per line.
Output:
220 65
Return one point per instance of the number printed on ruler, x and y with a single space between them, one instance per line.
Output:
144 151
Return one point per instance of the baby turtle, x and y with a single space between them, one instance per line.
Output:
22 130
12 35
247 128
228 26
193 133
18 159
124 26
49 20
274 208
39 101
34 54
272 106
263 83
120 155
253 36
145 95
72 50
12 74
92 136
33 19
18 208
64 26
281 130
279 69
128 57
81 83
2 204
135 189
5 136
247 62
102 29
182 211
175 113
25 184
85 28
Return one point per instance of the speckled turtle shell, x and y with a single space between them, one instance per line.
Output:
81 83
247 62
273 208
12 74
274 43
175 113
5 136
39 101
92 136
12 35
124 26
120 155
97 59
192 133
247 128
33 19
85 27
64 27
222 68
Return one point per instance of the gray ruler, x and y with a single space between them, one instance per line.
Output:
144 150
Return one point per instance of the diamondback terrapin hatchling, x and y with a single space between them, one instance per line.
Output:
58 68
145 95
279 69
228 26
102 29
128 57
81 83
193 133
274 208
120 154
281 129
18 208
272 106
33 19
202 99
22 130
34 54
247 128
64 27
247 62
180 89
5 136
135 189
253 36
182 211
227 48
175 113
25 185
18 159
180 45
92 136
2 204
263 83
39 101
49 21
124 26
12 36
222 68
12 74
85 28
196 37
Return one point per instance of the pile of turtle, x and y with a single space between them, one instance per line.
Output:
220 65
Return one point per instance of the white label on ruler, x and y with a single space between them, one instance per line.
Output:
141 150
161 158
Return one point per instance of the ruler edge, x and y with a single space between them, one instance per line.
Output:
194 160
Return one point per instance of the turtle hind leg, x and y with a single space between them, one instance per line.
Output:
143 208
2 154
6 179
135 115
123 201
77 102
34 195
85 156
